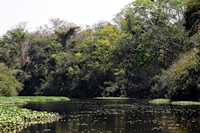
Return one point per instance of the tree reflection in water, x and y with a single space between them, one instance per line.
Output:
113 116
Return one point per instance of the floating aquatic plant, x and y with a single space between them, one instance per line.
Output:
12 118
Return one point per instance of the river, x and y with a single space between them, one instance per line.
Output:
116 116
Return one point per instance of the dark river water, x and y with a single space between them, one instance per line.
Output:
117 116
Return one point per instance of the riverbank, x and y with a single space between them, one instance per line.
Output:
25 99
167 101
15 118
160 101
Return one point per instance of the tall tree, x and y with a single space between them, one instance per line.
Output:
153 35
63 36
17 43
153 29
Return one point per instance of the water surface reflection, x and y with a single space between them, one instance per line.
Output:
117 116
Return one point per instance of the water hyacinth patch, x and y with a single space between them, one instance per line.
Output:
15 118
12 118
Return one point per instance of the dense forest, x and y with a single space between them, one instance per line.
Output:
152 51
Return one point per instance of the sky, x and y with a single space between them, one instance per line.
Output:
38 12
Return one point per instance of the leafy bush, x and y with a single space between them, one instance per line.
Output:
185 77
8 82
181 81
186 80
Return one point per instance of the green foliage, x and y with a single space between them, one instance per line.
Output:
119 88
17 35
188 62
49 67
134 60
181 81
185 103
63 36
15 42
12 118
97 61
2 42
8 83
192 16
198 37
167 101
152 31
103 47
24 99
185 75
152 38
160 101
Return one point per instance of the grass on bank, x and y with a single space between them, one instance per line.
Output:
160 101
24 99
112 98
167 101
185 103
